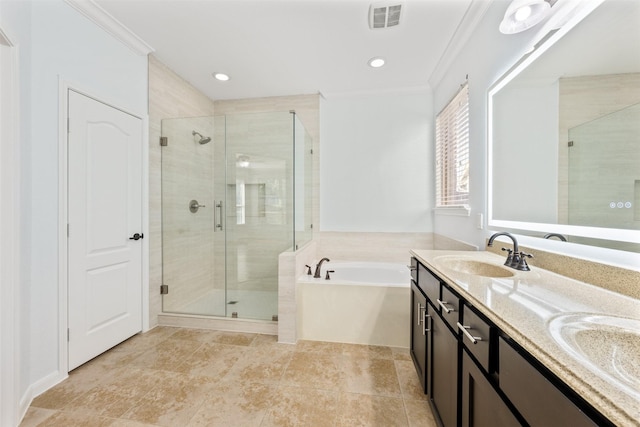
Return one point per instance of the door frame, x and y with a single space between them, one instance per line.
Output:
63 199
10 244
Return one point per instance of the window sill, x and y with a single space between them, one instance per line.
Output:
453 211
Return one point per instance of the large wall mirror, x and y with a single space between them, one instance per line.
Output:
564 134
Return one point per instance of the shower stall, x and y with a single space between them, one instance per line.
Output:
236 192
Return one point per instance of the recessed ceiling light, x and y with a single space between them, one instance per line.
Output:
221 76
376 62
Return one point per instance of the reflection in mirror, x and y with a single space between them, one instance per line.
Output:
564 134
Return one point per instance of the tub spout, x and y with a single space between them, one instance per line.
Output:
318 266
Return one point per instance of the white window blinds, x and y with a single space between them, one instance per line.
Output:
452 152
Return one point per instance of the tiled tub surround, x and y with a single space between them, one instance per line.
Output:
363 303
190 377
525 305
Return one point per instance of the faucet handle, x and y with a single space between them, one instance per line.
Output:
327 277
522 264
308 269
509 256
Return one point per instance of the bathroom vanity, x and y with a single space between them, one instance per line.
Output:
494 346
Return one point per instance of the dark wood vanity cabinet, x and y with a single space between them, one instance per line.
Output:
475 375
481 405
419 334
444 369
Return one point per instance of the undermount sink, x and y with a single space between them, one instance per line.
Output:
470 266
608 345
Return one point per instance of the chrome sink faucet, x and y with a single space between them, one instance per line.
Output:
318 266
517 260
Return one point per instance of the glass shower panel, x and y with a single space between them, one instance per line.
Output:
188 244
604 160
303 166
259 220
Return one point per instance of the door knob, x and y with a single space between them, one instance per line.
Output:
136 236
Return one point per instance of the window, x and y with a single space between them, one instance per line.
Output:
452 152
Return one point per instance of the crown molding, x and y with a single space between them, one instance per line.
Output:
111 25
472 17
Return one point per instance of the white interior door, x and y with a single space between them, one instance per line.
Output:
104 212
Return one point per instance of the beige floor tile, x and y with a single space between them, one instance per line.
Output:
261 364
400 353
80 381
320 347
212 360
178 377
167 355
35 416
321 371
295 407
409 381
370 411
233 338
119 422
67 419
173 400
235 404
201 335
116 395
419 413
367 351
147 340
262 340
371 376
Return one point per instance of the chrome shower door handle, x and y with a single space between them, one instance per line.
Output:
218 218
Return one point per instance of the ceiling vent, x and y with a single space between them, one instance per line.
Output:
385 14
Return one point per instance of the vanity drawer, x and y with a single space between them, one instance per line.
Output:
429 284
535 397
450 306
481 333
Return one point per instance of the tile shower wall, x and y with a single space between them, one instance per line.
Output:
169 97
613 92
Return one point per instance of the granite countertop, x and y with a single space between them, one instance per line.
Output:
542 310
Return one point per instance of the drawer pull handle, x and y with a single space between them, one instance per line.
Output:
420 308
424 324
466 332
412 268
444 307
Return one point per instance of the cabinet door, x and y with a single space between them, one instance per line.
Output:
444 371
419 334
481 404
540 402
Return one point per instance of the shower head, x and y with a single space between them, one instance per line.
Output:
203 140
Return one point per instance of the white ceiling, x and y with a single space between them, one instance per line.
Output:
291 47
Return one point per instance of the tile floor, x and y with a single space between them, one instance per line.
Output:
191 377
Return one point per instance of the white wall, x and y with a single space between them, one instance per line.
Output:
15 19
56 42
376 163
485 57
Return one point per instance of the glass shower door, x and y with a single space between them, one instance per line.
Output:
259 220
188 245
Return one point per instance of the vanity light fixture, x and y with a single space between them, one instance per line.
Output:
376 62
221 76
523 14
